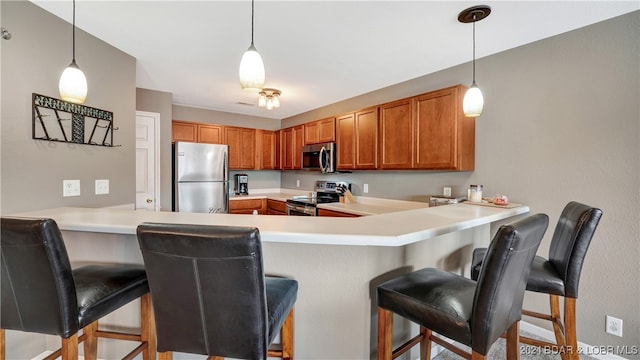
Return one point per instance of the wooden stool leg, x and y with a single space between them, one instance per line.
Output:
513 343
385 334
570 328
425 344
286 337
2 345
558 330
477 356
147 327
70 348
90 341
167 355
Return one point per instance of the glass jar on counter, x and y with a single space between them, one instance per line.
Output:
475 193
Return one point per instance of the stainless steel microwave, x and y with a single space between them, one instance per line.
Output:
321 157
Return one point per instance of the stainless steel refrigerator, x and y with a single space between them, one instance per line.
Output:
200 178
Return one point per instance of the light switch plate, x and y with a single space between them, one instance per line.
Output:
70 188
102 187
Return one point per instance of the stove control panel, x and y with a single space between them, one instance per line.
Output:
330 186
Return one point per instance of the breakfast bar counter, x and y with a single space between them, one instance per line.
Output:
338 262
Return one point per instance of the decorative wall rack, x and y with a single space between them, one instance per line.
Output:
58 120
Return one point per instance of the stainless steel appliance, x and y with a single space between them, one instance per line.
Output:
241 184
200 178
320 157
324 192
438 200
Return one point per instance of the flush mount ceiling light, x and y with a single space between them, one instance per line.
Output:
473 100
251 66
269 98
73 83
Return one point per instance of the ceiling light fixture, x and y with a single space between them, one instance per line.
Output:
73 83
269 98
473 100
251 66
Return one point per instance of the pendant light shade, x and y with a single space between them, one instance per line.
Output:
73 84
473 100
251 71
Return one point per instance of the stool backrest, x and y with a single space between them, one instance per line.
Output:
38 291
208 289
503 278
570 242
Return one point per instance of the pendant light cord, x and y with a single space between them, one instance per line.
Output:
251 22
74 31
474 48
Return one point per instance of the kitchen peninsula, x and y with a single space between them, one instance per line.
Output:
337 261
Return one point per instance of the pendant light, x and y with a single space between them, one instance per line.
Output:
73 83
251 66
473 100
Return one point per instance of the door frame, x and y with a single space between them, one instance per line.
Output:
156 166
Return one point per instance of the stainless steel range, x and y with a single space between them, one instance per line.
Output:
324 192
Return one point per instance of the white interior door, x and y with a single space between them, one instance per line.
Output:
147 161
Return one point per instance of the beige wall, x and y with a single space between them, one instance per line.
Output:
32 61
561 122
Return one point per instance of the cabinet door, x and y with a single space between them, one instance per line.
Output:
183 131
312 132
266 149
443 135
241 143
211 134
287 148
246 206
396 135
298 141
327 130
275 207
366 128
346 142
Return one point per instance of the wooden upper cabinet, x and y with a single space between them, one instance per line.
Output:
277 138
357 140
396 135
266 149
320 131
184 131
292 141
242 143
210 134
445 138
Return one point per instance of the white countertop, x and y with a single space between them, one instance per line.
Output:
388 229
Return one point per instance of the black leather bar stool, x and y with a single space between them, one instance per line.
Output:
210 294
559 275
473 313
42 294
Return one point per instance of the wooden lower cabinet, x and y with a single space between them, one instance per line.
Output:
275 207
333 213
246 206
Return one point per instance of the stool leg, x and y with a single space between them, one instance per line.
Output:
70 348
2 345
286 336
513 343
385 334
90 341
425 344
570 327
554 303
165 355
147 327
477 356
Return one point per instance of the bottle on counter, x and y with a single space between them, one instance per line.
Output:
475 193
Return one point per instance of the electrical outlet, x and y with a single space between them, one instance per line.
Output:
102 187
297 183
365 188
614 326
70 188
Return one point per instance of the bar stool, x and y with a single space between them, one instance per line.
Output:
474 314
210 294
42 294
559 275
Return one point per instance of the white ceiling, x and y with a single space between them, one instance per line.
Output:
315 52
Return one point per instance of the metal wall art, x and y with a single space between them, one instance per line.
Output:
58 120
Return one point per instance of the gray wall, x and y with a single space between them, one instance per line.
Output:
561 122
32 61
32 170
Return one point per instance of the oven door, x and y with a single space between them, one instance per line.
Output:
300 210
